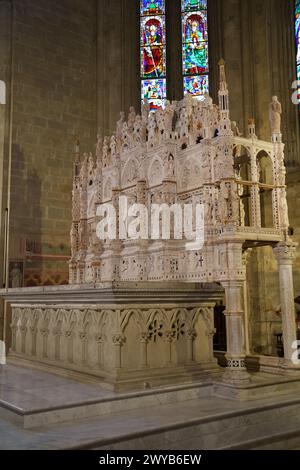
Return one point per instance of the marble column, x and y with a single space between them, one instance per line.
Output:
285 253
236 371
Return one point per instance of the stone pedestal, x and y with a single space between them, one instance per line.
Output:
129 335
236 370
285 253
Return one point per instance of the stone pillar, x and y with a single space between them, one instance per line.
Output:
285 253
236 371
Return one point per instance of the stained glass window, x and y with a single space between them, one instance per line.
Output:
195 47
298 43
153 52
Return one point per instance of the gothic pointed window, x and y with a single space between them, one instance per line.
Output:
195 47
153 52
297 26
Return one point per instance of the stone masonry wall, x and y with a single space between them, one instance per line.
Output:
54 86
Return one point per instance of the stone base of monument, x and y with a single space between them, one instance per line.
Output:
260 385
273 365
126 335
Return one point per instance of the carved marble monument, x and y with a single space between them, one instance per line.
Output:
187 153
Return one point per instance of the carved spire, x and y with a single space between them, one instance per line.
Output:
223 81
77 164
225 124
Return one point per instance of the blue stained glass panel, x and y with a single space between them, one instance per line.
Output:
195 59
155 91
195 47
197 85
153 31
194 27
150 7
193 5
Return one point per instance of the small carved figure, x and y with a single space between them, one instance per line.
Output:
235 129
275 112
145 110
169 167
120 125
105 155
113 147
131 118
283 207
138 129
125 136
99 146
169 116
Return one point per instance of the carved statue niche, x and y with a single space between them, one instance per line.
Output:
125 136
169 165
183 123
229 203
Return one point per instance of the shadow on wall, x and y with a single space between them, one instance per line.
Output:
25 219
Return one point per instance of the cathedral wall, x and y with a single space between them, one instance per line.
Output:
256 39
118 81
54 87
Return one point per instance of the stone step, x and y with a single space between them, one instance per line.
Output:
287 440
202 424
31 398
247 429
